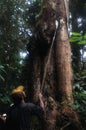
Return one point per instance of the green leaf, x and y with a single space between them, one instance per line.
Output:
1 77
79 38
75 106
83 42
75 39
76 34
2 69
85 37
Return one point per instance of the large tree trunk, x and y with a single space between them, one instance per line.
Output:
63 57
52 72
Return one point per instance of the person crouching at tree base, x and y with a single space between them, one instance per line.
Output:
20 113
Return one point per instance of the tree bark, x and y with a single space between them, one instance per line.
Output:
63 57
52 72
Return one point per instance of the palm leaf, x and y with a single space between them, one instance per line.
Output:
1 77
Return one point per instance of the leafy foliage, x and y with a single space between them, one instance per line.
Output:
13 39
17 24
79 91
1 72
78 38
